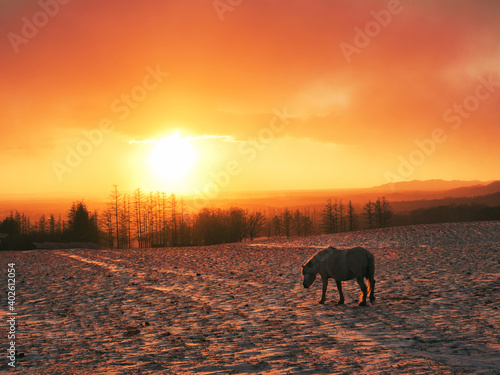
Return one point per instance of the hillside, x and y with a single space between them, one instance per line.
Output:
241 308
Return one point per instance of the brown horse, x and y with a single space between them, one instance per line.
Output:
342 265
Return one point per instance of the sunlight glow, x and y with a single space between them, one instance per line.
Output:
172 158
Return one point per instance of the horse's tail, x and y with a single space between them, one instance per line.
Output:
370 275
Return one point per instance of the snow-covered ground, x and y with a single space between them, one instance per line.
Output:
241 308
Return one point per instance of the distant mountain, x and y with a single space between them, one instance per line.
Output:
432 189
428 185
412 191
403 196
475 191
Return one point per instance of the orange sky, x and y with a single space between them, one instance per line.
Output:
217 76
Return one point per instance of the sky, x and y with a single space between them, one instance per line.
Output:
201 97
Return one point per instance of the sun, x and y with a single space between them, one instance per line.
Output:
172 158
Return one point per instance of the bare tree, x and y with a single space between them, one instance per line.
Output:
277 225
287 218
164 221
173 219
307 224
107 223
151 220
256 222
138 202
183 228
125 230
114 204
236 224
297 222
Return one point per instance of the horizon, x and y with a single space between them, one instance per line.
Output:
197 99
392 187
402 192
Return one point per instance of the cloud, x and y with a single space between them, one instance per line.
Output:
226 77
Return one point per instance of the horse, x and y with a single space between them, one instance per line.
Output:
342 265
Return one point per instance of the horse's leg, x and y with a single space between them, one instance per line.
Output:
325 285
339 287
371 290
362 297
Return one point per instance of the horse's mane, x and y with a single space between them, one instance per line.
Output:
318 257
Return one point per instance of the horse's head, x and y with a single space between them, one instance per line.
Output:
309 271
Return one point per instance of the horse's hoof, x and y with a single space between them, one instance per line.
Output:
372 301
341 302
322 301
362 303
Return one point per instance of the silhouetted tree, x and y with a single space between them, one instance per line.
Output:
82 226
173 219
164 219
184 224
114 204
42 227
276 225
286 220
307 224
125 219
52 226
368 210
151 220
209 227
236 224
107 224
387 212
256 222
329 218
340 214
383 212
138 209
353 218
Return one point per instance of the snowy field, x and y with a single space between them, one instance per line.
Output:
241 308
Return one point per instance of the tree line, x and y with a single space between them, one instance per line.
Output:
21 232
156 219
339 217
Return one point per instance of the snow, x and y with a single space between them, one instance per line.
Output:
241 308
